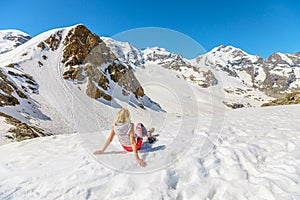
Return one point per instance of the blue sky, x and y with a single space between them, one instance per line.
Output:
258 27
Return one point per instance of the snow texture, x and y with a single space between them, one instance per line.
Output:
253 159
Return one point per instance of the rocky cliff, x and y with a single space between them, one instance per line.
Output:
88 60
292 98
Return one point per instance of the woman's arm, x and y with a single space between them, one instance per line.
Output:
133 145
108 141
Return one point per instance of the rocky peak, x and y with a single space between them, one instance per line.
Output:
88 59
231 54
297 54
164 58
78 43
125 52
279 58
154 53
224 49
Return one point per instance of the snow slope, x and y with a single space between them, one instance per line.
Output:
53 97
254 159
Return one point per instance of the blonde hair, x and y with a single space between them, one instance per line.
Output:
123 116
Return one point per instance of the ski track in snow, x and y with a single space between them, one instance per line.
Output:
257 156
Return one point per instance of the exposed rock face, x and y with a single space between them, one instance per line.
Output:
201 77
125 52
78 44
275 76
292 98
98 83
54 40
125 78
41 45
164 58
281 74
236 105
8 91
22 131
87 57
28 84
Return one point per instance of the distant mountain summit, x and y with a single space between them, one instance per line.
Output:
125 52
275 76
10 39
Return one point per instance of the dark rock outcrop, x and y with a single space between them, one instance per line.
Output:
236 105
292 98
125 78
20 130
87 57
9 91
78 44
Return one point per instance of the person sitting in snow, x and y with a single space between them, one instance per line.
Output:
130 136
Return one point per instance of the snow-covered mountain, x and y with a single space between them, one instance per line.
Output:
135 57
275 76
125 52
203 77
39 78
10 39
202 72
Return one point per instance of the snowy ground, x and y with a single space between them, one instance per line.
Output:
257 157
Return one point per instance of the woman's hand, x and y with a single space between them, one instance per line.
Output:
108 141
98 152
141 162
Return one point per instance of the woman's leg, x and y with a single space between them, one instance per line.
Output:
140 130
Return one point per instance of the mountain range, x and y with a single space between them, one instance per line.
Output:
49 79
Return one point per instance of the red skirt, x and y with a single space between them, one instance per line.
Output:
139 143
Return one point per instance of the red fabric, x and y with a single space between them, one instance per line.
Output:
139 143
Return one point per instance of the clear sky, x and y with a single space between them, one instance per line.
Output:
258 27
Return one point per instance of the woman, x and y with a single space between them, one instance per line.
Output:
130 137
